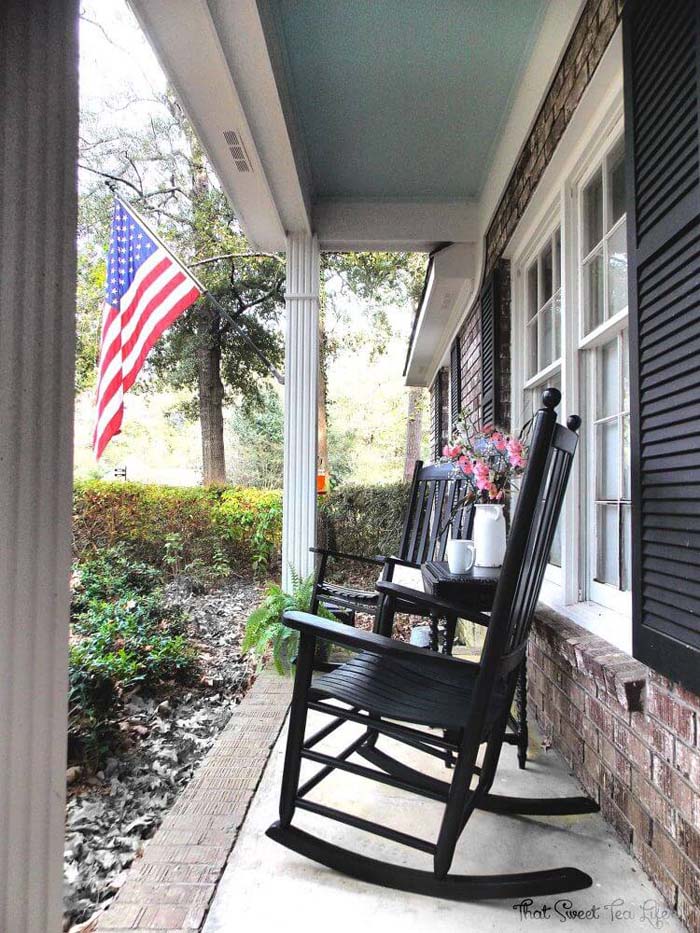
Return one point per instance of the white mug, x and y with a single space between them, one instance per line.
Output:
461 555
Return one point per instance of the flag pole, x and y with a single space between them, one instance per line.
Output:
205 291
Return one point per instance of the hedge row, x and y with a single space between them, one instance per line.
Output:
178 528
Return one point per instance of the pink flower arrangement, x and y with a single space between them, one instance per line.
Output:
489 457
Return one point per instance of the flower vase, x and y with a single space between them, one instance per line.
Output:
489 535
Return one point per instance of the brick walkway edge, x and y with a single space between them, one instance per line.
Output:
171 886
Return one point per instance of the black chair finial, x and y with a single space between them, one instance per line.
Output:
551 398
573 422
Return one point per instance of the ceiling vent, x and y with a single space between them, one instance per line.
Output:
237 150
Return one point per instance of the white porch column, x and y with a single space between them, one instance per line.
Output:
300 405
38 150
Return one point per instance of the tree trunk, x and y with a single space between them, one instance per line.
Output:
414 431
211 395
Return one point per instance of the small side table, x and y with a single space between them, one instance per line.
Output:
476 590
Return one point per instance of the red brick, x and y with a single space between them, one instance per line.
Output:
687 762
612 813
632 745
667 851
689 881
671 712
688 912
653 802
600 716
688 840
685 696
656 870
615 760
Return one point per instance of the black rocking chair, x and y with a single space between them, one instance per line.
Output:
392 689
435 491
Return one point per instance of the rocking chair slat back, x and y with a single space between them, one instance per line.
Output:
435 491
551 453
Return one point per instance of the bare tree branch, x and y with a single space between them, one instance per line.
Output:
122 181
202 262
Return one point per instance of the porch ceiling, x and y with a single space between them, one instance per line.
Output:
373 123
403 99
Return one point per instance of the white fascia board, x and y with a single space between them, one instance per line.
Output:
240 30
448 292
345 225
185 39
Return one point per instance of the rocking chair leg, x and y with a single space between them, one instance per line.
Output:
523 737
297 725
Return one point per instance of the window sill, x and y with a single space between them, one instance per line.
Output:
612 626
611 668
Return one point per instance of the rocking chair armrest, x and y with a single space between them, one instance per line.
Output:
428 601
356 638
377 559
400 562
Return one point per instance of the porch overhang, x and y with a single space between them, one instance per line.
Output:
451 278
371 125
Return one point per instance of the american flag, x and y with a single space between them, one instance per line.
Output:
146 290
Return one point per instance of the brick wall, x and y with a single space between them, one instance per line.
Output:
591 36
632 738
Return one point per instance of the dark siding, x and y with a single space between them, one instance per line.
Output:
661 49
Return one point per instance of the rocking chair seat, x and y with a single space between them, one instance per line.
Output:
401 689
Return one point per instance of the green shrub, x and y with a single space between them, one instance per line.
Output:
364 519
122 636
211 531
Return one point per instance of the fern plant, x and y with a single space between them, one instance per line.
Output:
265 629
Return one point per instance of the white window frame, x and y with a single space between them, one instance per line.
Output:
529 384
599 593
557 199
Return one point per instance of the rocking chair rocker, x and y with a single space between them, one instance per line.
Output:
392 689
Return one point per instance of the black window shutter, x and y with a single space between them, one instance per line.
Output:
661 54
437 417
490 359
455 381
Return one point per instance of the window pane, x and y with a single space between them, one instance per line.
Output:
626 479
593 302
546 355
608 447
624 340
532 348
593 212
532 304
557 259
607 538
616 182
555 552
617 270
626 556
608 380
556 319
547 272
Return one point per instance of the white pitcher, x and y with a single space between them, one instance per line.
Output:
489 535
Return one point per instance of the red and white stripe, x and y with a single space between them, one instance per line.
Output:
160 291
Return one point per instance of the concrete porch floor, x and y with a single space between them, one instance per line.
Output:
267 887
